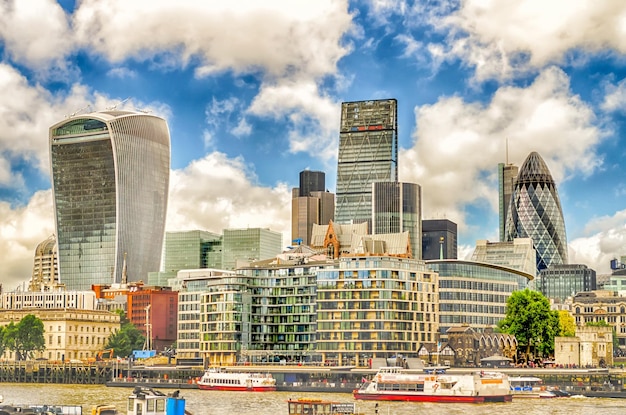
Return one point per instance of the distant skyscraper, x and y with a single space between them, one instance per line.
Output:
439 239
535 212
45 269
242 246
110 178
368 153
566 280
397 208
507 173
310 204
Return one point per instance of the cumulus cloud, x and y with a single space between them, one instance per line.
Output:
502 39
615 97
458 144
21 230
233 199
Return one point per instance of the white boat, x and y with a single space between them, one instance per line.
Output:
397 384
524 387
218 379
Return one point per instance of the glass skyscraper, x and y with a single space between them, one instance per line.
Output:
110 179
535 212
507 173
368 153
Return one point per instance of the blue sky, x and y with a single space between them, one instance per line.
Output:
252 90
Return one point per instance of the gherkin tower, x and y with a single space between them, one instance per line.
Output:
535 212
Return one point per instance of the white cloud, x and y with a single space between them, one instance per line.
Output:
458 144
606 240
21 230
501 39
615 97
230 198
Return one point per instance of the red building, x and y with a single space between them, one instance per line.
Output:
153 310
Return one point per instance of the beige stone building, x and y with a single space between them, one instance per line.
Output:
68 334
592 346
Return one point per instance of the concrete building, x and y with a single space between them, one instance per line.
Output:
310 204
397 208
69 334
559 282
110 178
375 306
45 268
48 300
242 246
473 293
507 174
535 212
598 306
592 346
368 153
439 239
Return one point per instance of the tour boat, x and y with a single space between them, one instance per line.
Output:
532 387
217 379
397 384
305 406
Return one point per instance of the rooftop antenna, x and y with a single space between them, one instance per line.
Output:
507 151
78 111
114 106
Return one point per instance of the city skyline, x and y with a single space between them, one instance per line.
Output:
248 112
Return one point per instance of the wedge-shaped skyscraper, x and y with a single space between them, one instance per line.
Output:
110 178
535 212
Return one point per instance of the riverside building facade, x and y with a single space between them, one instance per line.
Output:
110 178
375 307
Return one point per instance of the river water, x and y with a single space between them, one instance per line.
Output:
274 403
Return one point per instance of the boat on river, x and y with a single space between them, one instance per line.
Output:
221 380
148 401
306 406
397 384
524 387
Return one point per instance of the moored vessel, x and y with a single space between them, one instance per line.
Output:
397 384
218 379
306 406
524 387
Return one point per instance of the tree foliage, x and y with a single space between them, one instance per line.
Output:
126 339
567 324
24 338
530 319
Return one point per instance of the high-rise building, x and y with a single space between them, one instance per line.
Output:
110 178
310 204
368 153
242 246
439 239
45 269
507 173
396 208
518 254
566 280
535 212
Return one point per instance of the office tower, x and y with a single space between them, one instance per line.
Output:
310 204
507 173
192 250
368 153
396 208
242 246
535 212
518 254
110 178
45 269
439 240
566 280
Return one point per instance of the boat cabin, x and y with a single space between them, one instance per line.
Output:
147 401
320 407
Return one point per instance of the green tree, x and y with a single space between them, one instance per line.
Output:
24 338
530 319
567 324
126 339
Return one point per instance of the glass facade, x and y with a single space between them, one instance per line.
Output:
507 173
535 212
192 250
247 245
562 281
397 208
439 239
110 178
473 293
368 152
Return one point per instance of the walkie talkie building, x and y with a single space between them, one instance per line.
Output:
110 179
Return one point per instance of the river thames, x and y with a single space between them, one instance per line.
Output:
274 403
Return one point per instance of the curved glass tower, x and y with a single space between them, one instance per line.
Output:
535 212
110 179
